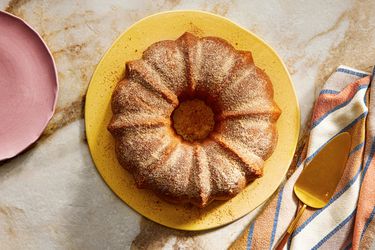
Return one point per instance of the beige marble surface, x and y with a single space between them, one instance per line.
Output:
51 196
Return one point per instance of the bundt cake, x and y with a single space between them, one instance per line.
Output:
194 119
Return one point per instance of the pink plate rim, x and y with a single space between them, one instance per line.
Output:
56 83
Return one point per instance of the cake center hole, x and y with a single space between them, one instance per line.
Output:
193 120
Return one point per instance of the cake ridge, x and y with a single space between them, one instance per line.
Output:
227 179
198 60
233 70
125 102
210 72
119 124
238 155
141 180
145 77
272 114
200 166
186 42
161 74
169 60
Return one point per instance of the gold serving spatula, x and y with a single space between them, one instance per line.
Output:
318 180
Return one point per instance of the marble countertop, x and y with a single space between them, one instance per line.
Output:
51 196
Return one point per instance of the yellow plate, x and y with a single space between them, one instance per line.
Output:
129 46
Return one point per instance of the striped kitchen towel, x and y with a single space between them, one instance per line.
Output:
346 103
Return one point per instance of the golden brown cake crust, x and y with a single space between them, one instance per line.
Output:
233 154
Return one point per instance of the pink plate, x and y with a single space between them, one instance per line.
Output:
28 85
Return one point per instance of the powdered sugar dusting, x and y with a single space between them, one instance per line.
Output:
217 58
169 61
226 172
250 135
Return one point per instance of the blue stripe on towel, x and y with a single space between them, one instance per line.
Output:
368 222
349 246
351 72
335 230
329 91
276 218
317 122
250 236
360 117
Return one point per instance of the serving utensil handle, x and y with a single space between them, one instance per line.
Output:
290 230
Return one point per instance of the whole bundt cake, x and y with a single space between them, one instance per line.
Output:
194 119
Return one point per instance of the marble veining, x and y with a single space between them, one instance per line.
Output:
51 196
